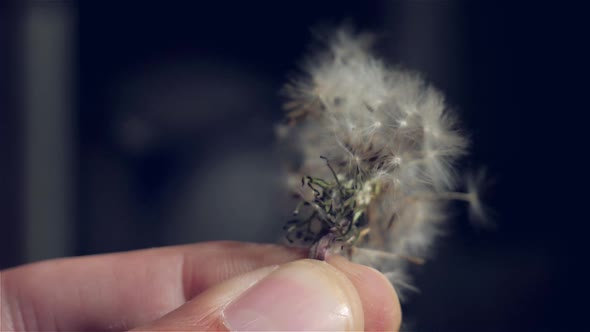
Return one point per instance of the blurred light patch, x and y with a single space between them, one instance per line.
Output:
48 36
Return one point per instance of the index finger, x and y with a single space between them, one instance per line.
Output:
120 291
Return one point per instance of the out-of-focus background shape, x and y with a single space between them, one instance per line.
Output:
131 125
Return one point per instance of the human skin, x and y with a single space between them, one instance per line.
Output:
203 286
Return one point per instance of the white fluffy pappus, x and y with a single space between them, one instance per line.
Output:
377 150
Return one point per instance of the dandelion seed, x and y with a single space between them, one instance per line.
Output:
388 145
476 182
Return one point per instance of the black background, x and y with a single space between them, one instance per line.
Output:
508 69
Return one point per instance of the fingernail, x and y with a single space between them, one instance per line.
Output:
302 295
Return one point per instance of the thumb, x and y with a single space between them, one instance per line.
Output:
301 295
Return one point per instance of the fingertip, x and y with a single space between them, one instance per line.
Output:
379 299
302 295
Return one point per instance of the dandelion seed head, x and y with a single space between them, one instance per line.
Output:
388 145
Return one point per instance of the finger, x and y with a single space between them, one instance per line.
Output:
120 291
380 302
305 295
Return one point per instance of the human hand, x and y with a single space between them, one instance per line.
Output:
207 286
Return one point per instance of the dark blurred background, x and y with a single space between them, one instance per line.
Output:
126 125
